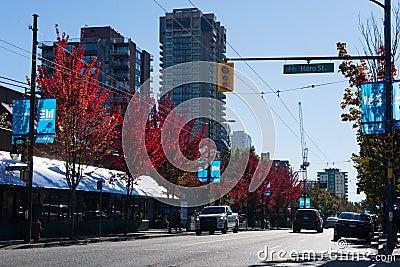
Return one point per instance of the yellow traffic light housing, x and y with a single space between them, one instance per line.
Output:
389 147
225 76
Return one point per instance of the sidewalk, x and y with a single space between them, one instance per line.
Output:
383 250
64 241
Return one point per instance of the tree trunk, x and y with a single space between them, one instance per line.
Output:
170 219
72 205
170 214
126 215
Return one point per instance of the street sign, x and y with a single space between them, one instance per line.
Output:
308 68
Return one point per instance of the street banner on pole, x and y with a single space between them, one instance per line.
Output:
396 104
46 120
202 172
216 171
373 108
20 119
304 203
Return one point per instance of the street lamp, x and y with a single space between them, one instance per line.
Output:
14 153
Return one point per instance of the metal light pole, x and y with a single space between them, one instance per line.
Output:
388 121
210 125
388 125
31 130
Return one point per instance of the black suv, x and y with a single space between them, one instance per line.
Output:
308 219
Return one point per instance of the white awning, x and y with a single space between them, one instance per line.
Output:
50 173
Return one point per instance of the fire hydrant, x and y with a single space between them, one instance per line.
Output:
37 229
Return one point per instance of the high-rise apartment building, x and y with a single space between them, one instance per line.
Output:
188 35
335 181
124 65
240 139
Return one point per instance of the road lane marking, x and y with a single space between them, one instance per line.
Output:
218 240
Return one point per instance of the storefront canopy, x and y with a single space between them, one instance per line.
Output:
51 174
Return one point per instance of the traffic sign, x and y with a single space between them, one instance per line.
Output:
308 68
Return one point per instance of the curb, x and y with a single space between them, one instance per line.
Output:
88 241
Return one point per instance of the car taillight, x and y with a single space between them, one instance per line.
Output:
316 219
294 218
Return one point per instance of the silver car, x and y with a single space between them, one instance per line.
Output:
330 222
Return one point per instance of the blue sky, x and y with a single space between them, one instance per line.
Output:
257 28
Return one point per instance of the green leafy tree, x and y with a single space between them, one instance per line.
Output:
369 162
4 122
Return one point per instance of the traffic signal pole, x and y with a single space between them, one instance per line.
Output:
390 234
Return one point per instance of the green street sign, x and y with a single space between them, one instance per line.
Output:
308 68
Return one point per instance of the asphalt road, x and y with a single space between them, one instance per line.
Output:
252 248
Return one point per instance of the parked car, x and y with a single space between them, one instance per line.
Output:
353 224
330 222
309 219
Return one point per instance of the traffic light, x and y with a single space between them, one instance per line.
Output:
389 147
225 76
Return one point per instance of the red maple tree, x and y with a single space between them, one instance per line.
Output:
85 125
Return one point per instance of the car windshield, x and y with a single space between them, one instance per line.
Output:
305 212
213 210
354 216
331 219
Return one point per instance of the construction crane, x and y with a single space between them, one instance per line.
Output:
304 149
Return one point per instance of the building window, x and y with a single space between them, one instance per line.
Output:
69 47
138 55
90 47
138 67
87 59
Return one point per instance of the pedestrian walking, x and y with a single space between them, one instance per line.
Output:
37 216
165 221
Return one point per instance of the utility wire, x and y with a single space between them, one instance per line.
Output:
9 79
271 89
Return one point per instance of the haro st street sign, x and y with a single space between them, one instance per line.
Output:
308 68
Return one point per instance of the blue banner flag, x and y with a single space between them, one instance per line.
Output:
304 204
372 108
301 203
46 120
20 119
216 171
308 203
396 104
202 172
